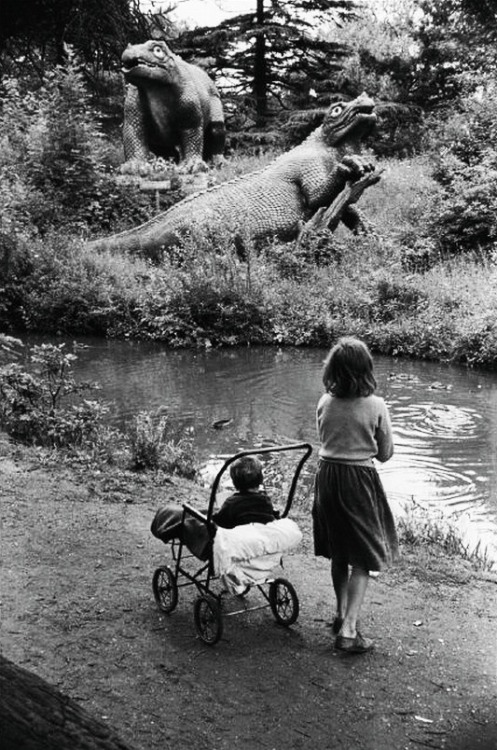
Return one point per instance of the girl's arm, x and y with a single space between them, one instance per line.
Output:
384 436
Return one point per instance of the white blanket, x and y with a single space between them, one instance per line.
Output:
245 555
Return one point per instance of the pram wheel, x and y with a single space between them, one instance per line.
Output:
283 601
165 589
208 619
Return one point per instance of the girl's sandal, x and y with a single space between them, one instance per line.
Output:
357 645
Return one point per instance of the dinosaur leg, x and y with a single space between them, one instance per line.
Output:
192 146
215 137
136 151
353 220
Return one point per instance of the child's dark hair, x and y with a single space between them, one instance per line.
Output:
348 369
246 473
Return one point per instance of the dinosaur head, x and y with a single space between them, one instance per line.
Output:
349 120
152 61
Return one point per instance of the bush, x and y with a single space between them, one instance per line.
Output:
155 444
203 295
467 214
58 285
46 406
50 161
466 170
55 166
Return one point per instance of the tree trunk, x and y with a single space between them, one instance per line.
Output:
260 71
34 715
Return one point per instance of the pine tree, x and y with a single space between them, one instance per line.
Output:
273 56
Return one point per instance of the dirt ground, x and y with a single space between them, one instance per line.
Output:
77 609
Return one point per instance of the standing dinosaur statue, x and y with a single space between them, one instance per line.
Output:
275 201
172 108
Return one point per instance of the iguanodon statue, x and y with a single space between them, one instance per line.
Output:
275 201
172 108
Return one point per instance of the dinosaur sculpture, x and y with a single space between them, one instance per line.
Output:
275 201
172 108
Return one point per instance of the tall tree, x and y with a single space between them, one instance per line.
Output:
273 53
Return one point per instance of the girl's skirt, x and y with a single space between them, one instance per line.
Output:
352 520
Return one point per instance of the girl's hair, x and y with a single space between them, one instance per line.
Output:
348 369
246 473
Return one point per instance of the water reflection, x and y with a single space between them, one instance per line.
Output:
444 418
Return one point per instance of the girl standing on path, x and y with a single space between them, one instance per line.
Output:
353 524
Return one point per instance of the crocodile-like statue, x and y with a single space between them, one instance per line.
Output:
172 109
274 201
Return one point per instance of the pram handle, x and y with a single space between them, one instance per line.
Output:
194 512
307 447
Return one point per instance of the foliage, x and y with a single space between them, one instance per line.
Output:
60 287
35 34
155 444
468 211
202 295
466 170
270 54
419 526
383 62
457 42
45 405
55 171
50 164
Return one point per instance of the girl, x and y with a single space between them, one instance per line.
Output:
353 524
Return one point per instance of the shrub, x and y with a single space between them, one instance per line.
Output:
62 286
466 170
203 294
419 525
55 166
466 218
51 162
155 444
396 298
46 406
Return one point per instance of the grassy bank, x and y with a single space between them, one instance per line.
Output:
387 287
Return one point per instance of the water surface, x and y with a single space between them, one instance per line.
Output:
444 418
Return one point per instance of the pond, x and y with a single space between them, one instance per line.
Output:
444 418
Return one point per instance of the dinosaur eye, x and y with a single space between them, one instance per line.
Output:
158 52
336 111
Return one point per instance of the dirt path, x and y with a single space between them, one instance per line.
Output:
78 610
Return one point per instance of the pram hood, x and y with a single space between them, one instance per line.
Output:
169 524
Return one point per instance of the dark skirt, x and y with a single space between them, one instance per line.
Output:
352 520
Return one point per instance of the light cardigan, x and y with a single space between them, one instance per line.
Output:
354 430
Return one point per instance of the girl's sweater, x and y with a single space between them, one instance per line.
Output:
354 430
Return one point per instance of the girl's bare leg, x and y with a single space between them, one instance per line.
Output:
340 578
356 590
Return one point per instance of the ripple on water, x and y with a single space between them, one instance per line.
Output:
428 479
447 421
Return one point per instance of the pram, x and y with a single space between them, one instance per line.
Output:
214 560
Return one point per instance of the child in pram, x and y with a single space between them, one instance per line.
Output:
241 554
248 504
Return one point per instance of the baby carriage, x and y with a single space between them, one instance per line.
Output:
240 559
